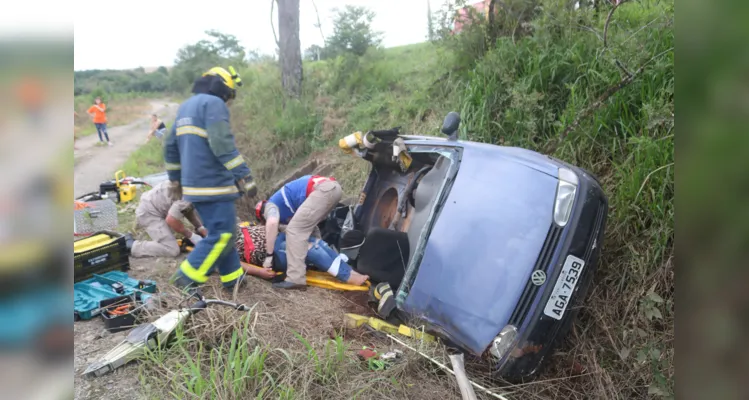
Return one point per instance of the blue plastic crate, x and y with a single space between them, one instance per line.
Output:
89 293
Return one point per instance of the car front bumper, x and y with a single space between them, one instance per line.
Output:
538 333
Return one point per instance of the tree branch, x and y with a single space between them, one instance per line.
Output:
319 25
608 93
608 20
618 63
272 4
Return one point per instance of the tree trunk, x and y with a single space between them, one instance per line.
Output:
290 49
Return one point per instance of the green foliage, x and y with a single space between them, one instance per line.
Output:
361 74
98 82
194 59
147 159
478 32
313 53
298 120
352 32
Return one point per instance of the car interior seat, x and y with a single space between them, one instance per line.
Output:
424 196
384 256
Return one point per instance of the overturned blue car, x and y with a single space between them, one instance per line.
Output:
490 248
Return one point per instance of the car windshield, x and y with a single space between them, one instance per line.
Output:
444 171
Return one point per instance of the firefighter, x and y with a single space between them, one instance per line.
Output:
302 204
159 214
205 168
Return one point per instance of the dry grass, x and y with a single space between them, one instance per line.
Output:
316 315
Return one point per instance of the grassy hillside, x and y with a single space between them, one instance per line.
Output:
553 87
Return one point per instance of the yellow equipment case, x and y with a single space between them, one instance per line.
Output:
101 252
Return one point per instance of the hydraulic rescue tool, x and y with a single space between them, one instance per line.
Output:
150 336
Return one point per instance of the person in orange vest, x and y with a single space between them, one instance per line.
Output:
98 113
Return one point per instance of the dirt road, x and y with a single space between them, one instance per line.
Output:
95 164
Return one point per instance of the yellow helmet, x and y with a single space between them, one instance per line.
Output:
231 78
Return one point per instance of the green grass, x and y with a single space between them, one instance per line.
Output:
329 362
237 367
147 159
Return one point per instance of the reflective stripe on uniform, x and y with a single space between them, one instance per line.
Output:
286 200
191 130
234 162
232 276
209 191
192 273
173 167
200 275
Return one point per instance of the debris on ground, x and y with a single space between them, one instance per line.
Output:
379 361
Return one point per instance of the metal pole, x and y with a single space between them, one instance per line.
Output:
476 385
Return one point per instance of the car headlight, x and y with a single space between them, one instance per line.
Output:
504 341
566 190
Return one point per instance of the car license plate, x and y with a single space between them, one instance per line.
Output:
560 296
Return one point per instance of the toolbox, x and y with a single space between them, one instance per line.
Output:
119 313
101 252
90 293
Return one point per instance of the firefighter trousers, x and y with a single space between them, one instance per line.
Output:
217 250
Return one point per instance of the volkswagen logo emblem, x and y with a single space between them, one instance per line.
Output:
538 277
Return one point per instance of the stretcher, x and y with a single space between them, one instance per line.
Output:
324 280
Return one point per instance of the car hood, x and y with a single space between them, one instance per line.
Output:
482 247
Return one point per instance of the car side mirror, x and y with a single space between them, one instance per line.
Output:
451 124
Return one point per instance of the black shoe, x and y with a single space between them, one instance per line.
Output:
289 286
129 242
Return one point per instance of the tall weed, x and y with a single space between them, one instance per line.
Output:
327 363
